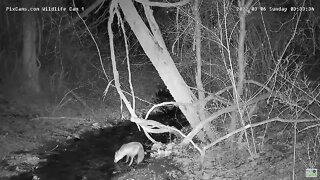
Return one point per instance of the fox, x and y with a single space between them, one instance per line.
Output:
130 150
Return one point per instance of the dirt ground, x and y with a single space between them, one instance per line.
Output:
41 123
29 126
33 125
24 132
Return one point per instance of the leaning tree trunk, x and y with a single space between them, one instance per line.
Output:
154 47
29 57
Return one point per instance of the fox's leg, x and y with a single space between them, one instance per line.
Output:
131 160
127 158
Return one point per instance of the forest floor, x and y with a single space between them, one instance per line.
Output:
42 123
29 125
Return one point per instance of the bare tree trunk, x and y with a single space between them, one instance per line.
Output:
238 89
153 45
29 56
203 114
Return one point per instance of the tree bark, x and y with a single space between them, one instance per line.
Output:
153 45
29 56
203 114
237 117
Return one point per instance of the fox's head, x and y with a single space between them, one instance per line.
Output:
117 157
